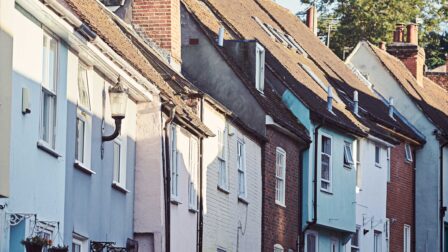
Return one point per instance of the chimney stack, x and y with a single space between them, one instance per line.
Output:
159 20
311 19
412 56
382 45
398 33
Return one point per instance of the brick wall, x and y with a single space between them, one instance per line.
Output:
400 198
160 20
281 224
439 78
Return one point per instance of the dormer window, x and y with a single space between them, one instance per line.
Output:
259 71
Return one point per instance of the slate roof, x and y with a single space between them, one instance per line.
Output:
430 97
239 19
94 14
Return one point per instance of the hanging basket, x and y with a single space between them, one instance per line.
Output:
64 249
33 247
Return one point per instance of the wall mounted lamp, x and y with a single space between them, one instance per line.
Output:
118 96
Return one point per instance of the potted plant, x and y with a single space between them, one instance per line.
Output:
58 248
36 243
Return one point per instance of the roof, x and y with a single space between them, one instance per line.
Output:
241 19
237 17
96 16
430 97
439 69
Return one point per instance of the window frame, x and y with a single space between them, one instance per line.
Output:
407 243
408 152
174 166
356 247
223 173
389 164
193 163
377 241
280 152
358 165
378 162
241 167
348 155
49 91
330 165
260 55
81 243
316 242
334 241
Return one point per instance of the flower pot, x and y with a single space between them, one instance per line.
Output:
33 247
58 249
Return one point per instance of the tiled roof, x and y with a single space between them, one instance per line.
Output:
430 97
94 14
238 18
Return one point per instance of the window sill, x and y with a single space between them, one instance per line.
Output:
348 166
408 161
80 166
326 191
223 190
45 147
175 201
193 210
280 204
377 165
119 187
243 200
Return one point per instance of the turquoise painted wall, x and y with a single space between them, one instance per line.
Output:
335 210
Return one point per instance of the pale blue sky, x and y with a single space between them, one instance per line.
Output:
293 5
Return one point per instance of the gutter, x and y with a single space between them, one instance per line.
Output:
312 223
442 207
167 176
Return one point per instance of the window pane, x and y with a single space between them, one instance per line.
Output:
76 247
117 153
311 243
80 135
83 87
326 145
325 171
48 122
377 154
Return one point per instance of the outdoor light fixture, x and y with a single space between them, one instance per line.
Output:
118 96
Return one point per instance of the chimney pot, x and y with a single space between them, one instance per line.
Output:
382 45
398 33
356 102
391 107
329 99
221 36
412 34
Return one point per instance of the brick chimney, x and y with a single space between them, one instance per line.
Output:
159 20
408 51
311 19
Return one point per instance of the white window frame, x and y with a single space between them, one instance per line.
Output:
278 248
358 166
223 173
356 247
280 189
48 128
348 155
408 152
260 67
334 241
84 114
387 234
193 165
330 166
241 164
174 167
81 243
407 234
316 243
377 242
377 162
389 164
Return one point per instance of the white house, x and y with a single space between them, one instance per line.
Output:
423 103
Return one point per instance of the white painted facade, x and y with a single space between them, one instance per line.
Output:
371 192
427 158
230 224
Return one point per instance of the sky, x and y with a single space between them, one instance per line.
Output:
293 5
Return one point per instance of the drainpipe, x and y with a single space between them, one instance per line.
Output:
442 207
314 221
201 205
167 177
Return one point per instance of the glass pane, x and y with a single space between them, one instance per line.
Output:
83 87
326 145
76 247
80 135
52 68
311 243
45 117
325 170
377 154
117 152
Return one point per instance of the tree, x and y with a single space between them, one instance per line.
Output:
375 20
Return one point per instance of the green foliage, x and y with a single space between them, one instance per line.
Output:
436 48
375 20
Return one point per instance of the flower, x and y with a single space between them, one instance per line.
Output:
37 240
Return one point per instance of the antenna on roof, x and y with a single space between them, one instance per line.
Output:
221 36
329 99
356 102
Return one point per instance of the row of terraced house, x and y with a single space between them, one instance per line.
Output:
215 126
